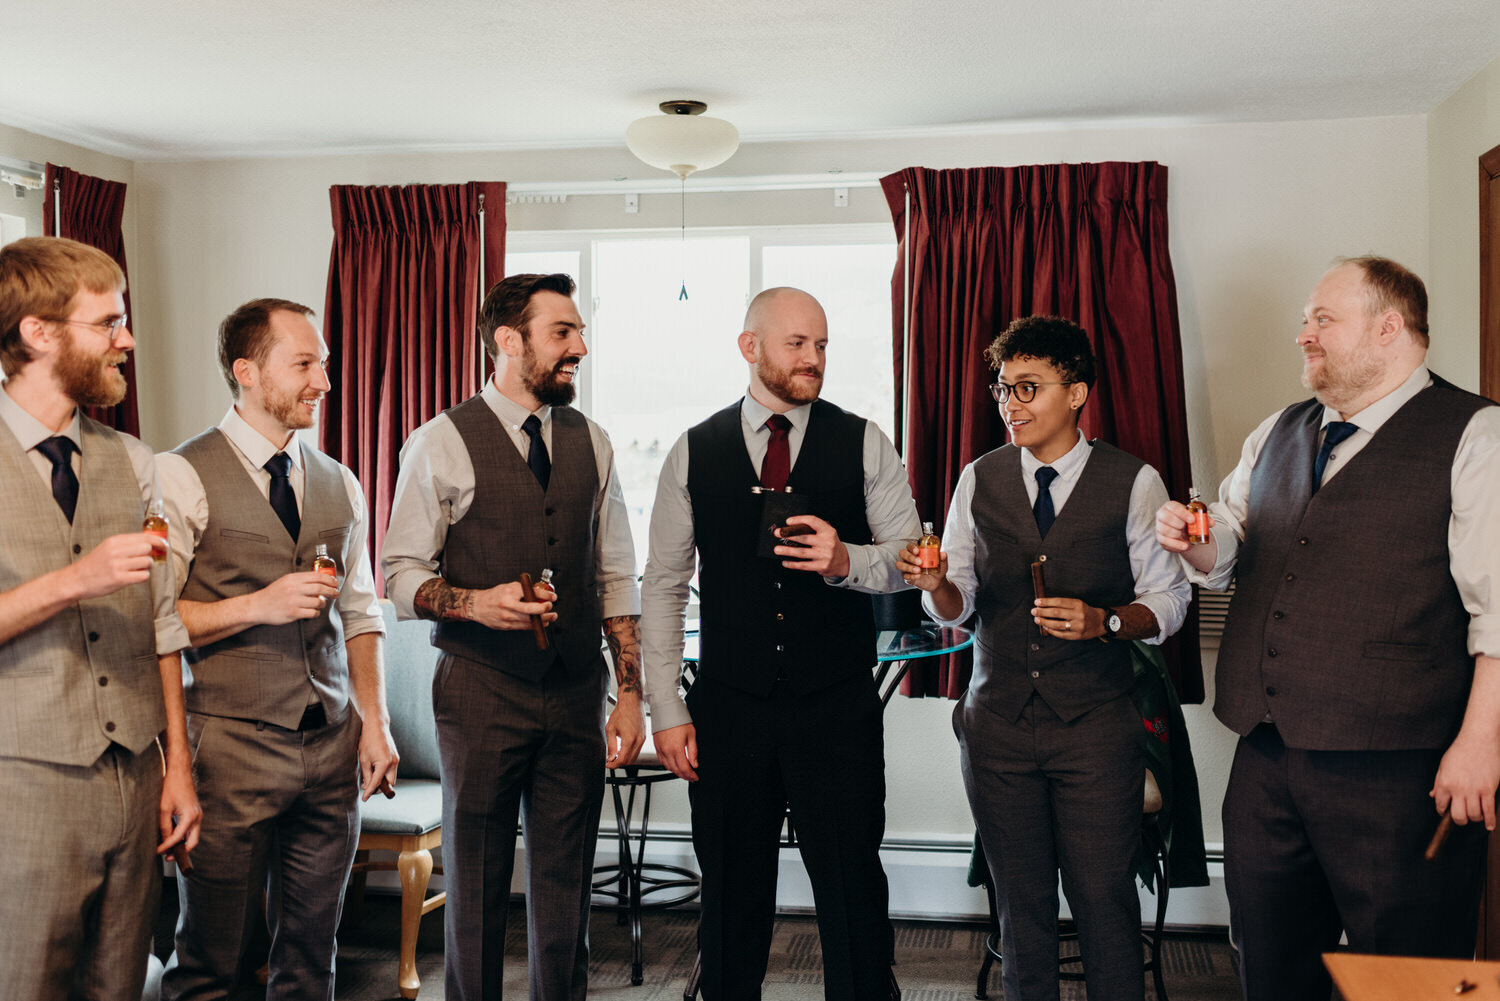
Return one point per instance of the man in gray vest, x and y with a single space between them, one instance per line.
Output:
281 753
784 712
515 481
1050 738
90 677
1358 664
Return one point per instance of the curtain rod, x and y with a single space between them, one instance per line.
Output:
556 190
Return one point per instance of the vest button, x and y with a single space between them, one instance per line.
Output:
1271 690
1291 576
1036 674
109 728
1277 615
778 585
1036 646
1271 652
93 637
299 561
1302 541
309 646
780 648
549 511
779 617
1042 558
77 549
551 542
103 680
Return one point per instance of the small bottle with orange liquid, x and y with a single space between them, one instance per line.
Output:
1197 526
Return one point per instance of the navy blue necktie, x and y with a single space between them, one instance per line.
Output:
536 456
59 450
1336 433
283 501
1042 509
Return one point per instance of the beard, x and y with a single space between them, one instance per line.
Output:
90 380
1341 379
779 382
286 409
544 384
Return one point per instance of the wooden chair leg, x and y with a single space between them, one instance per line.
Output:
416 870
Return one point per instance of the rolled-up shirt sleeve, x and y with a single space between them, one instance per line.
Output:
891 514
433 463
1160 583
1230 513
614 548
958 544
1474 532
671 560
171 634
359 608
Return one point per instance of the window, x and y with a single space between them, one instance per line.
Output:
659 363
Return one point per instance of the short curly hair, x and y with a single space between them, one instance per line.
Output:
1058 342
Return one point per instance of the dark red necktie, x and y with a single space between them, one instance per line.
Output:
778 462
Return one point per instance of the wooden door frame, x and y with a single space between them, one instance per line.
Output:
1489 385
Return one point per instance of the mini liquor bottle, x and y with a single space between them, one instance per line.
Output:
323 563
1197 527
928 547
156 524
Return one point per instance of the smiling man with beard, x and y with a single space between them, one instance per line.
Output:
90 678
511 481
286 700
1358 663
784 710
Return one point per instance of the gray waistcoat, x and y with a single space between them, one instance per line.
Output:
1085 556
87 676
1346 626
511 527
268 673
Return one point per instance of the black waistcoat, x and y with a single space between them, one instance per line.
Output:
760 620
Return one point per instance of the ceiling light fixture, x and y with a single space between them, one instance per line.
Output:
682 140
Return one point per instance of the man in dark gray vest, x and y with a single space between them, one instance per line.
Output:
90 678
279 651
512 481
784 710
1358 663
1050 738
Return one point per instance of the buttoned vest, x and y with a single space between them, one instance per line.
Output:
1085 555
267 673
1346 627
513 526
88 676
759 620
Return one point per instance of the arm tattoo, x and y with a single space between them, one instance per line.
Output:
623 633
440 601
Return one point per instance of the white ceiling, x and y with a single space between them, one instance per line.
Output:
189 79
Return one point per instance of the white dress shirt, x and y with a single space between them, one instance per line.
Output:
673 557
1159 581
187 515
436 487
1473 529
171 634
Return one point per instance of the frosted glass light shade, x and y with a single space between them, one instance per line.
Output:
682 143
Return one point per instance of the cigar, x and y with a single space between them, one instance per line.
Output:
1038 584
529 593
1444 828
788 531
178 853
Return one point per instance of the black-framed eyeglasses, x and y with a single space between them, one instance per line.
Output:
1025 391
110 327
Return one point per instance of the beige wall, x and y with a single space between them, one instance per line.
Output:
1458 131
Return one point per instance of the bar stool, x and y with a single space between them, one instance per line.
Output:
1155 847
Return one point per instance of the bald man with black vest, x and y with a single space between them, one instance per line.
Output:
784 712
1359 662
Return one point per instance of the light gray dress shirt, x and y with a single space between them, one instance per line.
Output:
187 515
1473 530
673 557
1159 581
171 634
436 487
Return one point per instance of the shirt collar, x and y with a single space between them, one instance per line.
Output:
754 414
511 413
31 432
1068 467
1376 414
253 445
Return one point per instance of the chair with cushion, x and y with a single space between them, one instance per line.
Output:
411 823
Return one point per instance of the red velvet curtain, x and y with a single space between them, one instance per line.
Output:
1084 241
90 210
402 320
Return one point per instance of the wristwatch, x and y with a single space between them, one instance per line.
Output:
1112 624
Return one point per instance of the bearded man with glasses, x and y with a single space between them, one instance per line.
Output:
1049 737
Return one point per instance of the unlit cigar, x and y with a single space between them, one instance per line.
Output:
788 531
1038 583
178 853
1444 828
537 630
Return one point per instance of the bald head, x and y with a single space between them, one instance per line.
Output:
784 340
775 304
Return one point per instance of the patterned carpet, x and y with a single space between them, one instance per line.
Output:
935 961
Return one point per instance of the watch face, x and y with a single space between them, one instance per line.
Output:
1115 623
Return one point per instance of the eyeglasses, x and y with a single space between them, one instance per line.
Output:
110 327
1025 391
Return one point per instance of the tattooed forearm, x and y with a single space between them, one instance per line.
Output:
623 633
438 600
